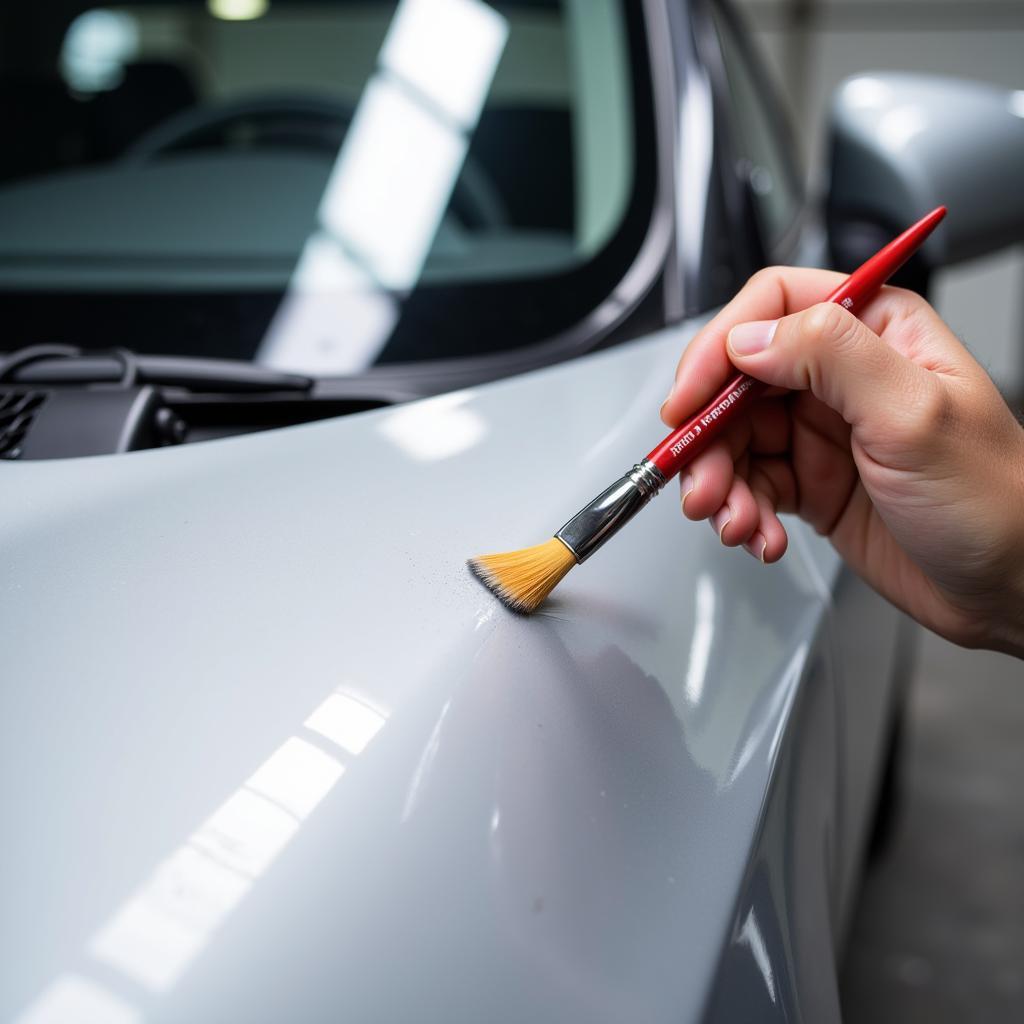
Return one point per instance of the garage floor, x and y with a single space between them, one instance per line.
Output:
939 933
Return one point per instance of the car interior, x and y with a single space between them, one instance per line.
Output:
169 148
296 193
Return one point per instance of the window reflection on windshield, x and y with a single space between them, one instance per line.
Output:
390 186
325 187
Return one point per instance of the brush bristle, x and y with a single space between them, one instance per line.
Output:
523 579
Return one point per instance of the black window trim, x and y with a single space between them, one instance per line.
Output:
784 248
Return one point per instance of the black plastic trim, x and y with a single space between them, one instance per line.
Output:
763 250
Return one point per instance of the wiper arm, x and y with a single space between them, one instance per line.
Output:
67 364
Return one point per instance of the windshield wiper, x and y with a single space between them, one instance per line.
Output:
60 401
68 364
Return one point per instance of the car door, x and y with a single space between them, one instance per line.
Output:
764 159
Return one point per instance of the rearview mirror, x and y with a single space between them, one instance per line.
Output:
901 144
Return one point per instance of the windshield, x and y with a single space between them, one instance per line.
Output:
319 186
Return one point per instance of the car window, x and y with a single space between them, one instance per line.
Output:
767 163
324 186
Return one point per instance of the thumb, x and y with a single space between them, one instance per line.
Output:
825 349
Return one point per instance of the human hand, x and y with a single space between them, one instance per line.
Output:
890 440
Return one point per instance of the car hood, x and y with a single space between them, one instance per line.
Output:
270 753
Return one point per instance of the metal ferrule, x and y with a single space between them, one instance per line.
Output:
611 510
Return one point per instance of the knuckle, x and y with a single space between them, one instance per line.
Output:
902 307
766 275
763 484
903 296
932 414
828 321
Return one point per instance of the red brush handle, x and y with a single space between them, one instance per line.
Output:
689 440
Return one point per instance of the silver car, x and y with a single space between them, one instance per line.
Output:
302 306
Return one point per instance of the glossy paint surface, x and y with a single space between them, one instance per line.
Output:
269 752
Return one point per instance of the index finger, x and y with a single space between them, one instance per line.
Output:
769 294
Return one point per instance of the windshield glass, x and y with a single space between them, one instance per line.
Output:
318 186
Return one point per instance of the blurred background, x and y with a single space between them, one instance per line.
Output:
814 44
939 934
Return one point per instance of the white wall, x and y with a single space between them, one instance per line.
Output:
983 39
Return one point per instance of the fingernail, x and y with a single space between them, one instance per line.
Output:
686 487
756 546
721 519
668 397
751 338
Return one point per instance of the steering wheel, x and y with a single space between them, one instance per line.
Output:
307 122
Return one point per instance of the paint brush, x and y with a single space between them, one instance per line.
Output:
523 579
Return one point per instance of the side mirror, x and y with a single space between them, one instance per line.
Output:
901 144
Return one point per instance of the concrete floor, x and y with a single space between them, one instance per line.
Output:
939 932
